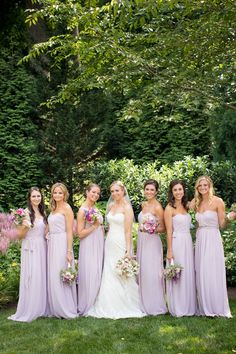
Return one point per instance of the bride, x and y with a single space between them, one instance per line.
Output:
118 297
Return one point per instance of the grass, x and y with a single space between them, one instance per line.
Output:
160 334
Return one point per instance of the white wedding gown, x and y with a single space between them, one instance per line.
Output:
117 297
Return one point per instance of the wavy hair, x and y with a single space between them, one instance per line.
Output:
198 196
41 205
171 199
64 190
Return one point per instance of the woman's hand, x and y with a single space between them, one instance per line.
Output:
69 257
169 255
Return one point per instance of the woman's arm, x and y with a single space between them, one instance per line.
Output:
221 213
22 230
129 217
159 213
81 230
69 217
169 230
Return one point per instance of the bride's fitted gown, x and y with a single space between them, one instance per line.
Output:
210 267
118 297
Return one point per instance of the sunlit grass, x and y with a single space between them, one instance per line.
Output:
160 334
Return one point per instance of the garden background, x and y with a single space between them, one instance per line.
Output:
126 89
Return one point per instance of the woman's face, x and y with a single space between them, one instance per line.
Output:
117 192
203 187
35 198
93 194
178 191
58 194
150 191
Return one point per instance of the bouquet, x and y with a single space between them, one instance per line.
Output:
149 224
19 215
91 215
68 275
233 207
127 267
8 231
173 271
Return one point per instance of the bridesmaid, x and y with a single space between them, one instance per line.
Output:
33 291
209 254
150 253
181 294
91 247
61 296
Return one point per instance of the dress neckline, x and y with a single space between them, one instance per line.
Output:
202 212
180 214
57 213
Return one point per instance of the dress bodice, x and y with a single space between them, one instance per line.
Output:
208 218
181 223
56 223
37 231
116 220
142 215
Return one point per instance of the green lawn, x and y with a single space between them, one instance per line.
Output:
160 334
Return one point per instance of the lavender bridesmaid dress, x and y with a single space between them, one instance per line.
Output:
150 279
181 294
61 296
33 291
91 250
210 267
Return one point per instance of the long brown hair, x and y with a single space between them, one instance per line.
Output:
41 206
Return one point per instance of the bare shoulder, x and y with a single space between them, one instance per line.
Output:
158 206
169 209
191 204
128 208
67 209
218 201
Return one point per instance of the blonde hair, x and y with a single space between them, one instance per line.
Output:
198 196
64 190
121 185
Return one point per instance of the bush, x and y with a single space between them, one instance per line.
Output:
9 274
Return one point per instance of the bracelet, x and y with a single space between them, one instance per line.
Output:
69 251
227 216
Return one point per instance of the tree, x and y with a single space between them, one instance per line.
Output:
19 146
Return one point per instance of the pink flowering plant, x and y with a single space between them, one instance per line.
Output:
69 275
127 267
149 224
8 231
92 215
173 271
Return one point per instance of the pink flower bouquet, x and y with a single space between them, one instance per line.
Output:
68 275
19 215
149 225
127 267
92 215
172 271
